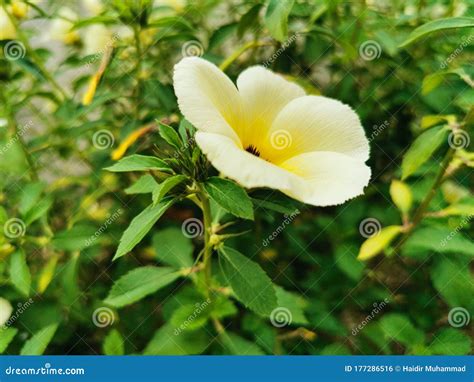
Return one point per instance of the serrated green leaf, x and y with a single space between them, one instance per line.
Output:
294 303
170 135
113 343
144 185
139 283
169 341
439 239
166 186
422 149
249 282
450 341
276 18
234 344
230 196
140 226
20 275
173 248
138 162
37 344
399 328
438 25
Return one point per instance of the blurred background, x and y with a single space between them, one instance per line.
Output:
83 84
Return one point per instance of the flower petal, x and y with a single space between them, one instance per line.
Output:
264 94
245 168
315 123
331 178
207 97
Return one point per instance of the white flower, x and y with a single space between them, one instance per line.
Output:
61 28
94 7
5 311
268 133
7 29
96 39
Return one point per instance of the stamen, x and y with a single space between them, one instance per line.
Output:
253 150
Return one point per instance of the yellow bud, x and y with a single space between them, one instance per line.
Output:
268 254
453 192
214 239
90 92
47 274
19 9
401 196
377 243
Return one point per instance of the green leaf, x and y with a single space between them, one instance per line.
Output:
248 20
237 345
294 303
144 185
40 209
75 238
138 162
230 196
30 195
166 186
94 20
20 275
399 328
37 344
140 226
346 260
377 243
249 282
438 25
422 149
139 283
451 342
169 341
173 248
170 135
276 18
113 343
439 239
454 283
6 336
191 316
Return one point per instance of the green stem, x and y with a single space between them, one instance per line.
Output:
237 53
34 57
138 66
206 211
421 211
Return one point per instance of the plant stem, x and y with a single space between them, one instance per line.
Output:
236 54
421 211
138 67
34 57
206 211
